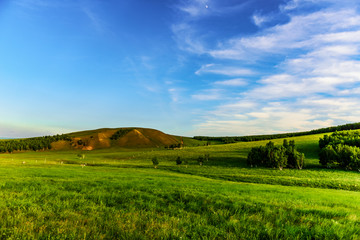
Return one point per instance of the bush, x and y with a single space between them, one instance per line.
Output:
178 161
155 162
200 160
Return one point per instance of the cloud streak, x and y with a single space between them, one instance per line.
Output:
223 70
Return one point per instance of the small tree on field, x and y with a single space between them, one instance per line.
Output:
200 160
155 162
295 159
178 161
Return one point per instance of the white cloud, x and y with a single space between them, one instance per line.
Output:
272 118
232 82
259 19
301 32
223 70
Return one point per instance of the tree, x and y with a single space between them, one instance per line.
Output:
155 162
295 159
328 156
285 143
276 157
178 161
200 160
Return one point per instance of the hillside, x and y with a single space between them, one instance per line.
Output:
117 137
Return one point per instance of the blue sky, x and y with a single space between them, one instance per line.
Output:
200 67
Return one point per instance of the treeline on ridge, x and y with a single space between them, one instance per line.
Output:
120 133
340 149
34 144
350 126
276 156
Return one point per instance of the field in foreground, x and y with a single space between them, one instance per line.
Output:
119 195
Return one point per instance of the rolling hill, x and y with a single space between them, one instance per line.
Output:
117 137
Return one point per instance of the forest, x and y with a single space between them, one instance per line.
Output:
34 144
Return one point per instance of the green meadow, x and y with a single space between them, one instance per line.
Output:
118 194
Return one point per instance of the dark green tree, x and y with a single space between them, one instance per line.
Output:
178 161
200 160
155 162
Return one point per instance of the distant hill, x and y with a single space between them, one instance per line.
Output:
116 137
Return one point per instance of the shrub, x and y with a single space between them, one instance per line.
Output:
178 161
155 162
200 160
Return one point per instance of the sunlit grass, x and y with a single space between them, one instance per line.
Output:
119 195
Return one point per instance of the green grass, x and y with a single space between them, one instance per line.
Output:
119 195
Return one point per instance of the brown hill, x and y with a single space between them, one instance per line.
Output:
117 137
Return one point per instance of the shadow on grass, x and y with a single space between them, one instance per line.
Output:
227 162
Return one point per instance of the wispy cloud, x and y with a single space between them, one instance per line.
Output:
94 18
260 19
223 70
301 32
187 38
195 8
232 82
203 8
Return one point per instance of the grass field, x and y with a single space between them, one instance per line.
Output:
119 195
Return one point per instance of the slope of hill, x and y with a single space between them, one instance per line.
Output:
130 138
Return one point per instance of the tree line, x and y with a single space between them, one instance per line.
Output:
350 126
276 156
33 144
120 133
340 149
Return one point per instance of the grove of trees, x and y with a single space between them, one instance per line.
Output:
121 132
276 156
340 149
34 144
